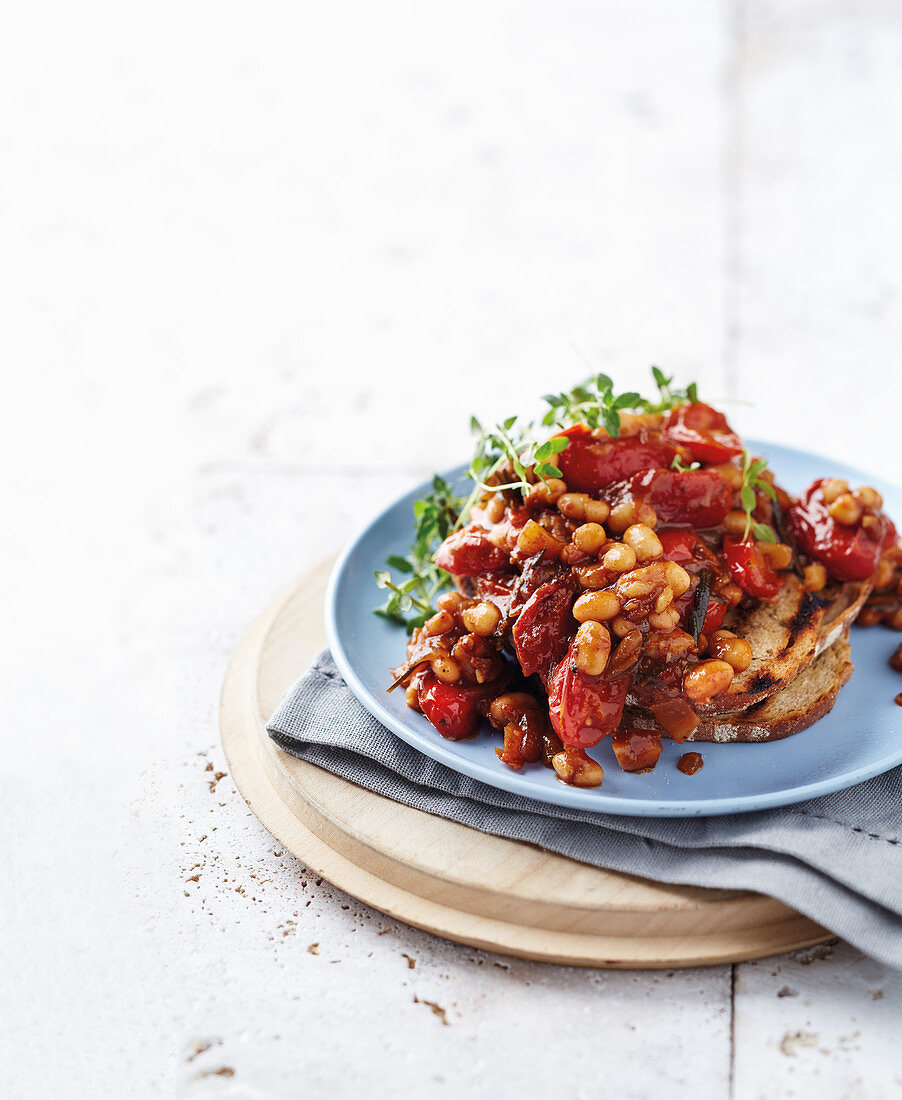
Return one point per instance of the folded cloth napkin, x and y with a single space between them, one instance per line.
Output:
837 859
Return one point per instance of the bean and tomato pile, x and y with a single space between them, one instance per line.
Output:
608 576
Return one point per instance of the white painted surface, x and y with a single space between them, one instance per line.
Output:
259 265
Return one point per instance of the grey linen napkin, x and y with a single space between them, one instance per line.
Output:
837 859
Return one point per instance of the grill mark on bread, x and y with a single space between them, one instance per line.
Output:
797 706
806 613
783 634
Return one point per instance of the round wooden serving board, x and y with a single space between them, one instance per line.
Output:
449 879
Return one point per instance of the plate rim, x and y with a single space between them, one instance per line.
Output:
594 801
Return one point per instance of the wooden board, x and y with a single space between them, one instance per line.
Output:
452 880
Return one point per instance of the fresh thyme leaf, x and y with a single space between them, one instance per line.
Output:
753 482
763 532
551 447
410 602
594 403
669 397
679 465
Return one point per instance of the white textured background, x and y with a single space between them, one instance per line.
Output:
258 264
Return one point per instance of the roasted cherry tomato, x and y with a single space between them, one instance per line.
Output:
584 709
693 498
683 546
589 464
468 552
750 569
714 616
636 750
679 544
453 709
542 633
847 553
704 431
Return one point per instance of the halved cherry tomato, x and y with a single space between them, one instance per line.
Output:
583 709
847 553
694 498
683 546
542 633
750 569
679 544
704 431
589 464
451 708
636 750
714 616
468 552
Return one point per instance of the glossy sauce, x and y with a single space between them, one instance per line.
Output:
690 763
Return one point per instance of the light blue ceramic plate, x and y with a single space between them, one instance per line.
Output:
860 738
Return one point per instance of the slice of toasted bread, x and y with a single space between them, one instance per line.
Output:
809 697
783 634
842 611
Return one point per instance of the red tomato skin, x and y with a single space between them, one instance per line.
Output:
589 465
714 616
542 633
679 544
584 709
750 569
692 498
847 553
704 431
453 710
468 552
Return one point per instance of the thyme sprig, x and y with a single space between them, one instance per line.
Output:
752 482
410 601
497 448
509 447
669 397
593 403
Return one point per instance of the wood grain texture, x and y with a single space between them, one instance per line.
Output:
452 880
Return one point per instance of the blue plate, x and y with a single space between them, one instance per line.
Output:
861 737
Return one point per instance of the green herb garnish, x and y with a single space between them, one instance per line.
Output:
507 447
410 601
592 403
681 466
752 481
520 452
669 397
